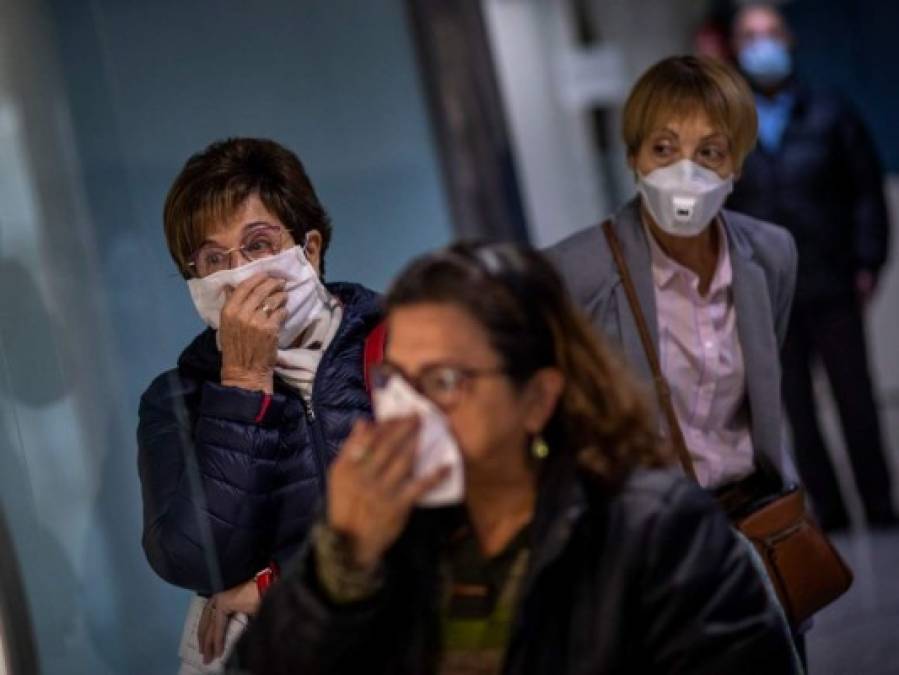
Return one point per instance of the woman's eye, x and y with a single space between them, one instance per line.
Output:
259 245
442 380
712 154
661 149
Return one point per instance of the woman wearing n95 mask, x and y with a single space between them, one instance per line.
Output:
715 286
234 443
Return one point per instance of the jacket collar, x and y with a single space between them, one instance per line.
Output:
631 232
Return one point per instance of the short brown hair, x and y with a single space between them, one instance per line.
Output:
679 86
215 182
517 296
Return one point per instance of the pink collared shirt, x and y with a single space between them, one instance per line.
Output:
702 360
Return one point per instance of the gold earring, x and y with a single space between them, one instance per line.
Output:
539 448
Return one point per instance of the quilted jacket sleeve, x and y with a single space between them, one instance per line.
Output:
206 457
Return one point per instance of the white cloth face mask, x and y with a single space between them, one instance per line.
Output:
436 445
307 297
684 197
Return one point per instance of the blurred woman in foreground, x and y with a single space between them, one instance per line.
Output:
570 548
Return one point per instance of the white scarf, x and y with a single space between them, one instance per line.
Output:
297 366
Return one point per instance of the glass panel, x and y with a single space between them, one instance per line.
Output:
101 103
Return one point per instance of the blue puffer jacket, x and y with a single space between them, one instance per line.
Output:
225 494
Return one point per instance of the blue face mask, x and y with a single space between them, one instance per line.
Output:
767 61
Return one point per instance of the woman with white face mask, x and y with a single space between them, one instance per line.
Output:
714 287
564 545
234 443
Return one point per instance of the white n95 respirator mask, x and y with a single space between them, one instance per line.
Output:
437 447
684 197
307 297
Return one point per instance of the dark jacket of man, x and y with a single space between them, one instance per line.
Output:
825 185
648 578
230 484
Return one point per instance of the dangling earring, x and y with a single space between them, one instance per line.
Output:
539 448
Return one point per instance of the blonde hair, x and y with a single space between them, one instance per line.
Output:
678 87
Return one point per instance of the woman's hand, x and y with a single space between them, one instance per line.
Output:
217 613
372 490
251 318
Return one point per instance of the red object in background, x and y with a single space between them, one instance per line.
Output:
374 351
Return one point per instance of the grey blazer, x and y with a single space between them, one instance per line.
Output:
764 261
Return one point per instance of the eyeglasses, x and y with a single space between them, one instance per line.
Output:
263 241
443 384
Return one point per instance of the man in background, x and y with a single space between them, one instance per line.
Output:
815 172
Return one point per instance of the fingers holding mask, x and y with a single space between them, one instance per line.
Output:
392 452
236 297
261 296
274 310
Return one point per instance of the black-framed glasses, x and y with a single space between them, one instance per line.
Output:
261 241
442 383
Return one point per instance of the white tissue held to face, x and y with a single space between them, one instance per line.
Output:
437 447
307 297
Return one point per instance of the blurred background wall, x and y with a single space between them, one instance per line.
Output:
102 101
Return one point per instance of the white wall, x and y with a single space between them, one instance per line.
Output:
557 166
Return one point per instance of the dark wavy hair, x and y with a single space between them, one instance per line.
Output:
214 183
520 300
